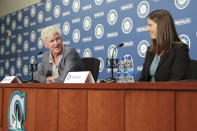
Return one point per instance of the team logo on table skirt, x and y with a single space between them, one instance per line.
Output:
48 5
87 22
110 51
66 2
56 11
98 2
13 48
40 16
76 35
26 21
39 44
66 28
76 5
181 4
13 25
17 102
99 31
25 70
112 17
8 42
185 39
142 48
33 11
7 64
87 53
8 20
19 16
143 9
1 71
12 71
2 50
127 25
18 62
19 39
33 36
2 28
101 67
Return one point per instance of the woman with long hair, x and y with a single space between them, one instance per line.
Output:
167 58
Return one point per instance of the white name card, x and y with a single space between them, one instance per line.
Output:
11 79
79 77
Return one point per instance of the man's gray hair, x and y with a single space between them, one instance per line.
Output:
49 31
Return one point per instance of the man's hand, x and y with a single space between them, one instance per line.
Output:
50 79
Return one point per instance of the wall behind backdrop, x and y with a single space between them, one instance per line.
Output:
93 27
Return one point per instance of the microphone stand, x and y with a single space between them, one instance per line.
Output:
33 67
112 79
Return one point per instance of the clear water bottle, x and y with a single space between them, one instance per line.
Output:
129 69
121 70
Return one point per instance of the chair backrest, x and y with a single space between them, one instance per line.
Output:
193 70
91 64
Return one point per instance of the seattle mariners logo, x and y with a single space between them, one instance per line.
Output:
17 101
181 4
76 35
39 44
1 72
87 53
18 62
185 39
25 46
40 17
8 42
13 25
66 28
112 17
33 11
2 28
12 71
99 31
48 5
142 48
13 48
33 36
8 20
20 15
87 22
101 67
143 9
110 51
66 2
19 39
26 21
25 70
7 64
98 2
127 25
76 5
2 49
57 11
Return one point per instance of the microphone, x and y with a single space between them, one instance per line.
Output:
33 67
112 65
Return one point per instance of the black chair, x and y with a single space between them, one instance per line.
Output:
192 70
91 64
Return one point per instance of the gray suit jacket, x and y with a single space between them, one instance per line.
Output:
69 62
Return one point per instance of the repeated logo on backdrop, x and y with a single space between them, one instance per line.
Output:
93 27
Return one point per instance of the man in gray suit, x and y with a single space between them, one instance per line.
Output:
59 60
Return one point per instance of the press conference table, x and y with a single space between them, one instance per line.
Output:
140 106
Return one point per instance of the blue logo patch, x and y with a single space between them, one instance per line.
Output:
181 4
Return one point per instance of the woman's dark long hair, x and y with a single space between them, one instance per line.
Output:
166 32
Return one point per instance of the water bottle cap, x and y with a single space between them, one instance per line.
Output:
128 57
